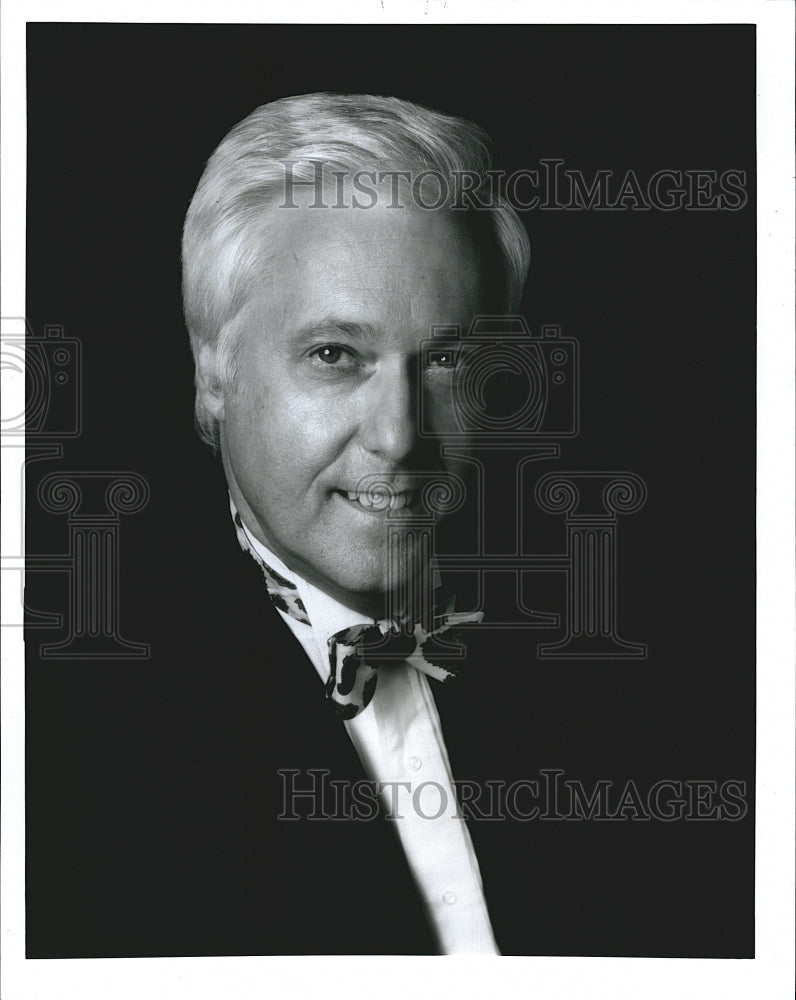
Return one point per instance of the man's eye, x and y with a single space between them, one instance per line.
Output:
335 356
334 361
330 353
442 359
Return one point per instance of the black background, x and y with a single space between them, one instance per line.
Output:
120 121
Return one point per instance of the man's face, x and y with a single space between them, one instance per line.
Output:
328 386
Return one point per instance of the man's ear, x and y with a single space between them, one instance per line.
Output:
209 388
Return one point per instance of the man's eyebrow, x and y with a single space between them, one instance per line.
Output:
331 327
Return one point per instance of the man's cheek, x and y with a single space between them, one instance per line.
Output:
317 439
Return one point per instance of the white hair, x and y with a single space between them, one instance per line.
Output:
224 248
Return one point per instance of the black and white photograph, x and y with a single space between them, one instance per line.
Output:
388 505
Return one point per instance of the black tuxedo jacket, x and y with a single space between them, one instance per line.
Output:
153 794
155 790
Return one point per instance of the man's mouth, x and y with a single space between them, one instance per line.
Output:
378 500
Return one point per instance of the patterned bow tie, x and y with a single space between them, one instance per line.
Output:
356 653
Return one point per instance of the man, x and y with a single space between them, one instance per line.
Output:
328 238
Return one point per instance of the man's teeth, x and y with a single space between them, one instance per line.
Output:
381 500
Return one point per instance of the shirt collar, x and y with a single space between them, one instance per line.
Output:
325 613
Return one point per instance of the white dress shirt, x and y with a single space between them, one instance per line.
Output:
399 740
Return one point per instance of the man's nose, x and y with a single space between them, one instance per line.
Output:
389 426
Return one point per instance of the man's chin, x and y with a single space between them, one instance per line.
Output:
378 591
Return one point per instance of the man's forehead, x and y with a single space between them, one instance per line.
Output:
358 271
378 323
338 326
340 261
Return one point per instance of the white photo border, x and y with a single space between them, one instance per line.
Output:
770 973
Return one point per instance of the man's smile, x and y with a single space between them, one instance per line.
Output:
379 500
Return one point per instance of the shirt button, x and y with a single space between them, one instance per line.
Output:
449 898
415 763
